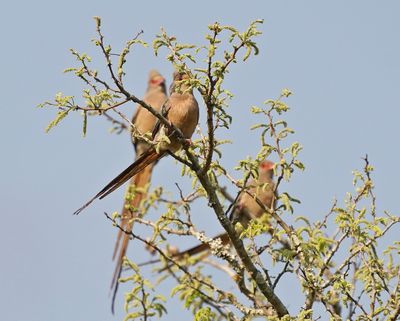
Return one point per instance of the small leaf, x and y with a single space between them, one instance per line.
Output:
60 116
84 123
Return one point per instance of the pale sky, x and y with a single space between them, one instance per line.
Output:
340 58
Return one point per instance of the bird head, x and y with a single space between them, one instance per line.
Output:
178 77
266 168
156 79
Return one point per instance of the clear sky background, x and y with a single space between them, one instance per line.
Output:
340 58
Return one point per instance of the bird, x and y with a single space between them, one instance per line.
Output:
144 121
181 110
263 187
246 209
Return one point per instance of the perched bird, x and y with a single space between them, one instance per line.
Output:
182 110
263 188
144 122
247 207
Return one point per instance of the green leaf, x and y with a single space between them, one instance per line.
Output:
84 123
247 54
204 314
286 92
60 116
256 110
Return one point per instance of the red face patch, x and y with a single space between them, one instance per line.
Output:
157 81
267 165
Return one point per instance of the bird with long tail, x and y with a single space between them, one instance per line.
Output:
144 121
246 208
181 110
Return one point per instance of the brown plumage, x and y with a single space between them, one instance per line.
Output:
263 187
182 110
144 122
247 207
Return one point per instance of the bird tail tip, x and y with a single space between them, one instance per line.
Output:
79 210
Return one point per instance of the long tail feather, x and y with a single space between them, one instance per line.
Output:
143 161
203 247
140 180
193 250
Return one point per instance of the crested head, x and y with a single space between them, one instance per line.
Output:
266 167
156 79
154 73
177 77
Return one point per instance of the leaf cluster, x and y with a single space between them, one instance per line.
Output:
338 262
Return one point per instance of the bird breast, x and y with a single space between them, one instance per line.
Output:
184 113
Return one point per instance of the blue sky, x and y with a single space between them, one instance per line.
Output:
340 58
